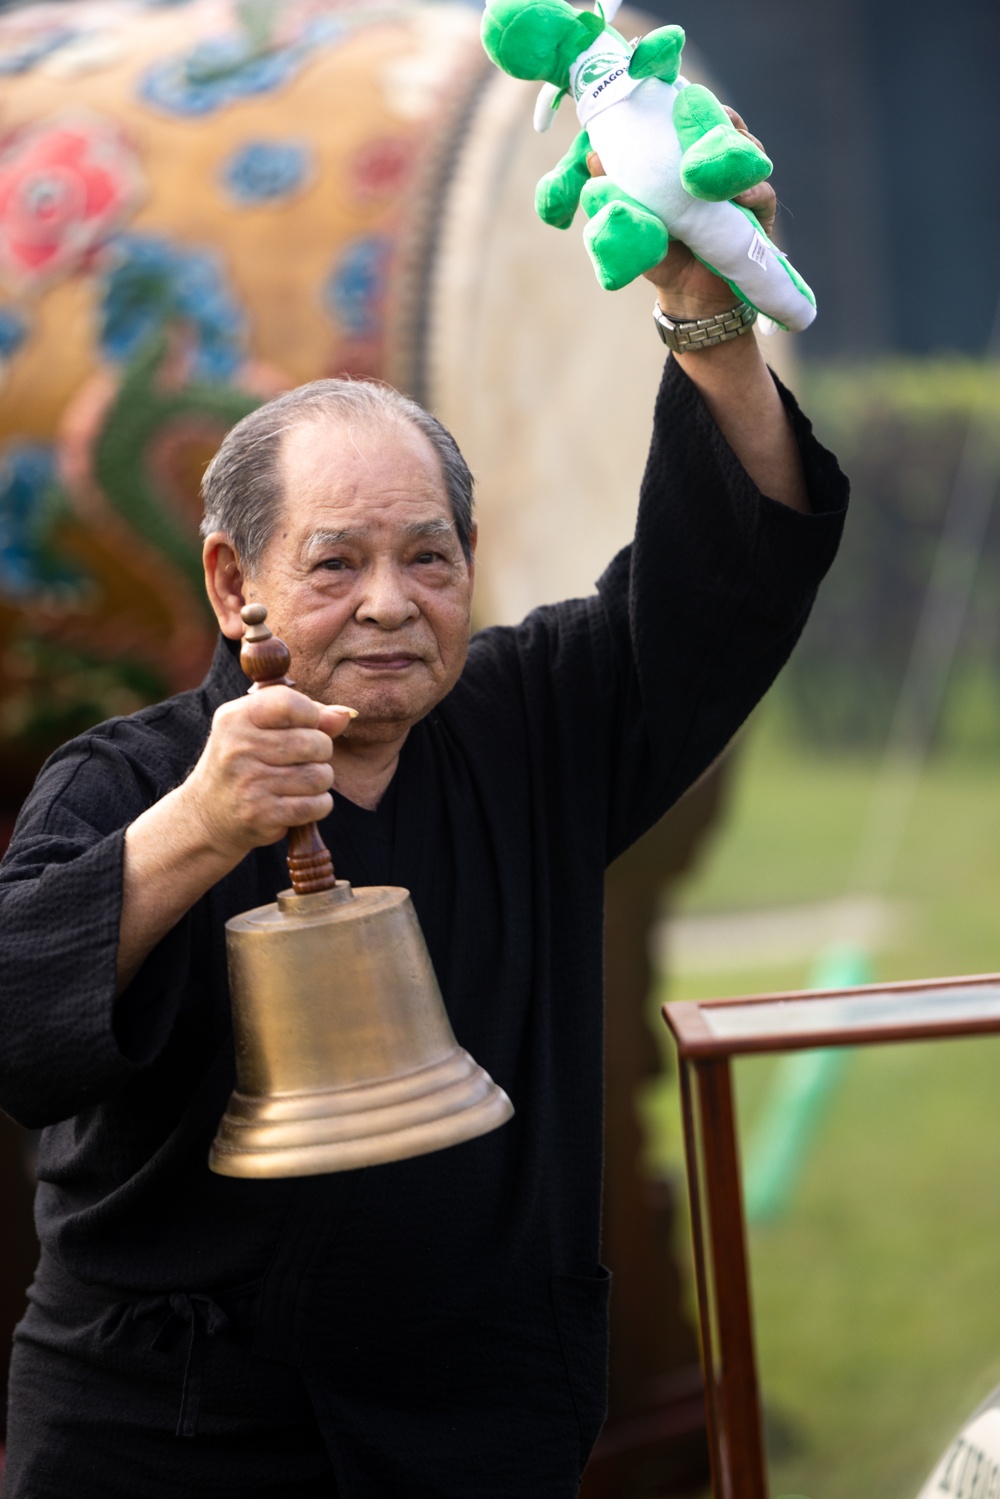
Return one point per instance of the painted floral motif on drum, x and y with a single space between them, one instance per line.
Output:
13 332
30 569
152 281
380 168
355 290
66 185
221 70
268 171
28 37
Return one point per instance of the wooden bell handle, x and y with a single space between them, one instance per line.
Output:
265 660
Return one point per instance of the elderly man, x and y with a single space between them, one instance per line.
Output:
436 1328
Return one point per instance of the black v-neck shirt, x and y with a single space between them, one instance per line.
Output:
363 838
453 1305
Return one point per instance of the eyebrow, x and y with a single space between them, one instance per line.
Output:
415 531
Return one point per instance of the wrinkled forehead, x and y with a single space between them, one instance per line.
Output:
347 457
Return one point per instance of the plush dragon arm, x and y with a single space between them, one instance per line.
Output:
658 55
557 195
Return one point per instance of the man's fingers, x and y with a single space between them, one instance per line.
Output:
594 166
278 794
292 812
284 781
293 747
762 202
281 708
302 809
335 718
741 126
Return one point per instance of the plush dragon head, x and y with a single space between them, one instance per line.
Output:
539 40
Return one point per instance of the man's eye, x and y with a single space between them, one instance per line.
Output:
426 557
333 564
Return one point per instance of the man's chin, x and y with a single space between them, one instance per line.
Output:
385 709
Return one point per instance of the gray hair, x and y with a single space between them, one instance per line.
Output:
242 489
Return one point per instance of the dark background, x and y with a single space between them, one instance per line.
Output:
883 120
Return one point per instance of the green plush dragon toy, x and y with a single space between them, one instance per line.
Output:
673 157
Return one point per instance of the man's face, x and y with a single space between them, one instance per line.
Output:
364 576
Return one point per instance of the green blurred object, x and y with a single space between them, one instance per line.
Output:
801 1089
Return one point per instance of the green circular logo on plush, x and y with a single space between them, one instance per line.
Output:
595 68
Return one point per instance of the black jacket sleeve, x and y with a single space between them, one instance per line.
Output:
706 605
630 696
65 1043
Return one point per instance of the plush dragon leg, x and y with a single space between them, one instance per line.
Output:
623 239
557 195
719 161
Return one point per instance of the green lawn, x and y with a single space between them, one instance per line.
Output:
878 1294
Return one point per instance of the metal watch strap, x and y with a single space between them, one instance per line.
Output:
686 334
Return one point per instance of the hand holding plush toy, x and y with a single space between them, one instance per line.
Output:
672 155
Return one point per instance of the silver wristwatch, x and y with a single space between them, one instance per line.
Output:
686 334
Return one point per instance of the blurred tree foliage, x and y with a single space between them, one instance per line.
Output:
899 428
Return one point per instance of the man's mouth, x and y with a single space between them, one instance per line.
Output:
391 661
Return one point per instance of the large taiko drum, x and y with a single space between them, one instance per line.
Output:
203 203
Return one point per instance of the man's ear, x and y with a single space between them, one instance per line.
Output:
225 583
471 564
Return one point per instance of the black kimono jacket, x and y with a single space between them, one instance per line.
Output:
454 1305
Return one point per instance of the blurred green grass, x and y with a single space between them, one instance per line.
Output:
876 1297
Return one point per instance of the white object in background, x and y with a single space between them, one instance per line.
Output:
971 1466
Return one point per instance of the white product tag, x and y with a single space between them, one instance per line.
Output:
599 77
758 251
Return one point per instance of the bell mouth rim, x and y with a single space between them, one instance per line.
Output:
341 1129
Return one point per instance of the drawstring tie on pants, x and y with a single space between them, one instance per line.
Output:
204 1319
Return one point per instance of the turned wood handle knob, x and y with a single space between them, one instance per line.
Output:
265 660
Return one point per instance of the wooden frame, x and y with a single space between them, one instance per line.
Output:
708 1034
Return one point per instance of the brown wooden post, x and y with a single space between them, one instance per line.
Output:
738 1410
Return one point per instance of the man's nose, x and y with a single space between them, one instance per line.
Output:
386 600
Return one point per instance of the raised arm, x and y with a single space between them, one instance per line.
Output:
732 377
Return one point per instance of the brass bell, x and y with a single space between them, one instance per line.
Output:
344 1052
